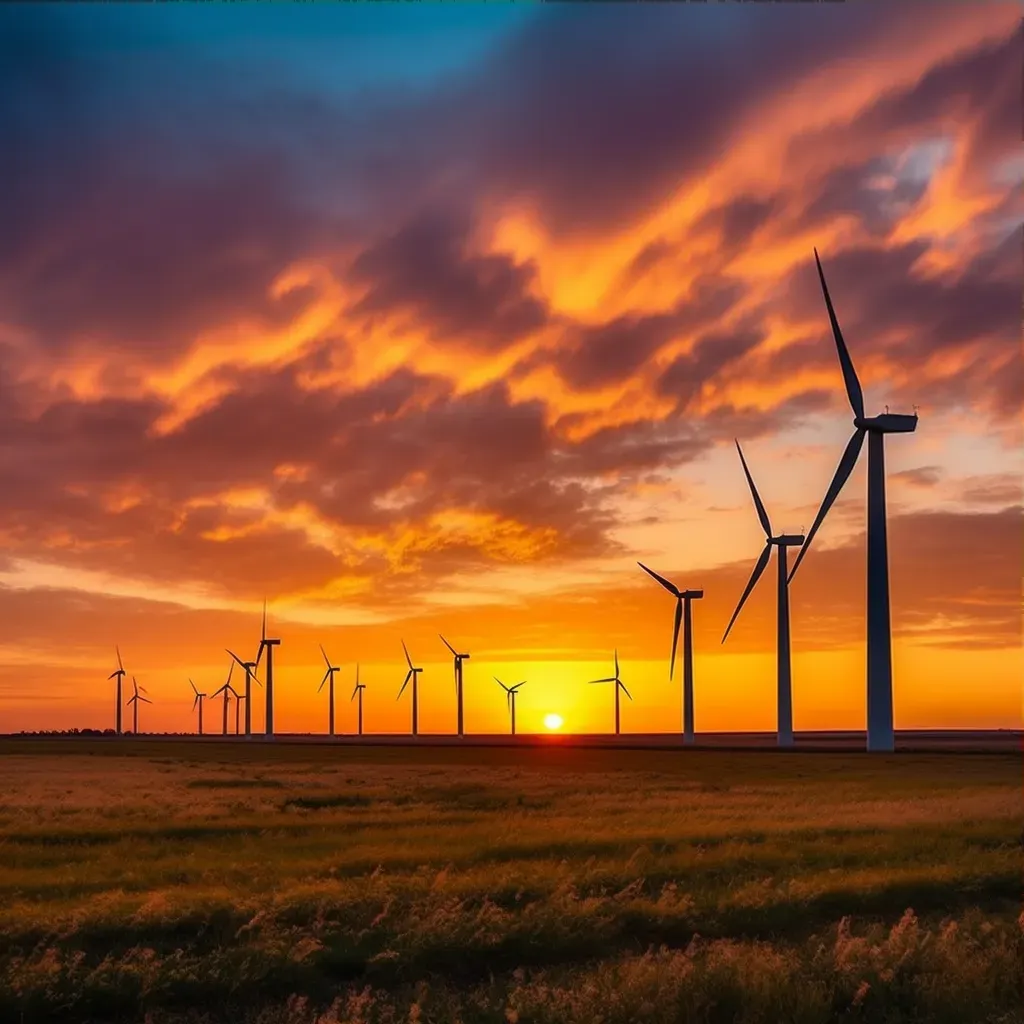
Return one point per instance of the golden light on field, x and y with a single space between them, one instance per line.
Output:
552 721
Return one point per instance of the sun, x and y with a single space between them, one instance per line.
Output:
553 721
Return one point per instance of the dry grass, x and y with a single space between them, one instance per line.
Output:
216 882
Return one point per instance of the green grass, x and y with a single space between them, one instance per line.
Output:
201 882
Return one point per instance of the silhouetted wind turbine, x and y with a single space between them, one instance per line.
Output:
683 614
198 703
329 675
249 667
239 699
359 689
618 685
228 690
510 695
134 701
118 674
269 644
880 723
784 685
414 675
458 679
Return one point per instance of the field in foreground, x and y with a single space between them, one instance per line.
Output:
174 882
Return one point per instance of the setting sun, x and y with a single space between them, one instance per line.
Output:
553 721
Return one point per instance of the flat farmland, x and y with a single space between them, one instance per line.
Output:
203 881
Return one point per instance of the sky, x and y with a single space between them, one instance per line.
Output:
419 319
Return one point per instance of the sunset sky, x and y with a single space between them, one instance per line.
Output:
416 319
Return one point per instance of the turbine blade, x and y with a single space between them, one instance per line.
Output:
758 504
145 700
322 681
259 653
449 646
193 685
610 679
843 471
675 635
616 663
120 664
624 690
195 702
327 661
231 668
354 692
405 684
853 390
501 684
759 568
357 673
670 587
407 658
263 631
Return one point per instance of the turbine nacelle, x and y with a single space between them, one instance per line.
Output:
887 423
787 540
691 594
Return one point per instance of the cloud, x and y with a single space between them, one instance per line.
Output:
426 271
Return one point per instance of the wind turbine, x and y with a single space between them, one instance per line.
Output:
414 675
134 701
458 678
239 698
359 689
683 614
510 696
198 703
269 644
782 542
118 674
618 685
879 669
228 690
329 675
249 667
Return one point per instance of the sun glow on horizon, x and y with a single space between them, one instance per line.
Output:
552 722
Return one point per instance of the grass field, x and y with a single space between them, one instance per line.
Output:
173 882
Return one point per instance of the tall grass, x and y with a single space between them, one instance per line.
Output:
264 886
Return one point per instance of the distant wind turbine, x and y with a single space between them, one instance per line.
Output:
881 735
459 658
510 695
359 690
198 703
269 644
618 685
240 698
784 686
229 691
249 667
134 701
684 616
329 675
414 675
118 674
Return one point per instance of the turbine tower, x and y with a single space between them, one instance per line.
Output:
359 690
269 644
510 694
618 685
784 685
228 690
684 616
249 667
879 668
458 680
414 675
329 675
118 674
198 703
134 701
